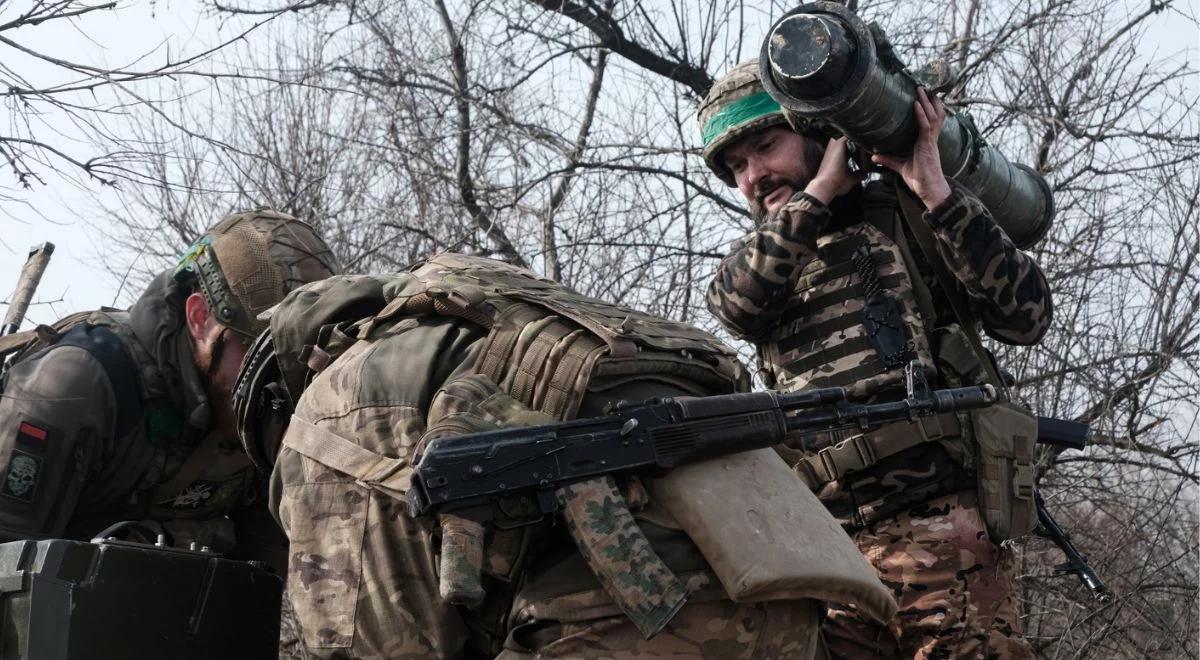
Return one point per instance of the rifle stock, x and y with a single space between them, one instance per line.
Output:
1077 562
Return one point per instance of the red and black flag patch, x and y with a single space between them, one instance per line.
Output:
31 436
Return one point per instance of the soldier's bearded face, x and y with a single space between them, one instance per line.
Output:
770 166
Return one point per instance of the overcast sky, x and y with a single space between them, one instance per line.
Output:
60 211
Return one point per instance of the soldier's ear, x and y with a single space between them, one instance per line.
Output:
197 316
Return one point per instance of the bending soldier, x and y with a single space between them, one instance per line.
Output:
127 415
381 365
834 287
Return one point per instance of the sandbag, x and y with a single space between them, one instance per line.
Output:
766 536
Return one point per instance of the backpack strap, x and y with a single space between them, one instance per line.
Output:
911 213
49 334
103 345
881 213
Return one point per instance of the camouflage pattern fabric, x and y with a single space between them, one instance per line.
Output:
790 286
599 520
1006 289
363 577
461 567
716 629
94 469
818 338
954 586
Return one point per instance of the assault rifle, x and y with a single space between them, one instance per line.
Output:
1072 435
466 474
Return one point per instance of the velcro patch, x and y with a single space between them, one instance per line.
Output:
24 469
30 435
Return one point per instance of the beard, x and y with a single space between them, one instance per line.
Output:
207 359
207 354
768 185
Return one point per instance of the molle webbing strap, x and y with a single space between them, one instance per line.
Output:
569 367
844 349
921 231
498 348
533 346
540 359
853 292
817 278
426 302
17 341
848 377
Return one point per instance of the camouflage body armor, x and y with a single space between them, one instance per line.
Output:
549 351
848 299
821 340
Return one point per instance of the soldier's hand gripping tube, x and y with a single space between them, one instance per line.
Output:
820 62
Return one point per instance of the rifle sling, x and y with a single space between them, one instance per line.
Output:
911 214
863 451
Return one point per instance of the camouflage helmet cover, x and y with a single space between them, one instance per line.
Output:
735 106
249 261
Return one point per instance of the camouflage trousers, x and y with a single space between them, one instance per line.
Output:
954 586
721 630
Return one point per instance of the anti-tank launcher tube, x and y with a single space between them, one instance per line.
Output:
824 65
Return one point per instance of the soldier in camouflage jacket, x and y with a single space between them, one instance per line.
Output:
794 288
119 415
363 576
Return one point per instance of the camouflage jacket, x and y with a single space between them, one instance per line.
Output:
790 287
363 576
79 452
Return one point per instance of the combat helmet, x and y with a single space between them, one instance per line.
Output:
734 107
249 261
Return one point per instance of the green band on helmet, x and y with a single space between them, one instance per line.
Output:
736 113
184 270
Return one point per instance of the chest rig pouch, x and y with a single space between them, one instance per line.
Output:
997 442
1004 434
881 315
